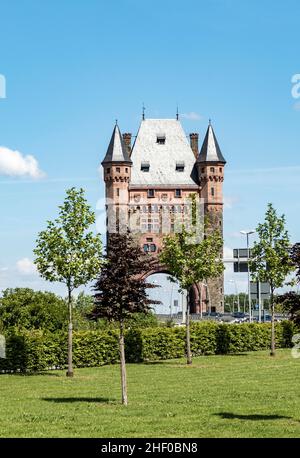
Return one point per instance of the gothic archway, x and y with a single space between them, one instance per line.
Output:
195 307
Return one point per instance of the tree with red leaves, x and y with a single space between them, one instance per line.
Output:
121 289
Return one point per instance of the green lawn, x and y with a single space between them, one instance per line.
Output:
250 395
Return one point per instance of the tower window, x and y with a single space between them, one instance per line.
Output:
150 193
118 192
179 166
212 192
161 139
126 170
220 170
212 169
177 192
203 170
145 166
149 247
118 169
108 170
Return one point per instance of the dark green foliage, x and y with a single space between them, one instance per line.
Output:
295 257
222 339
36 350
204 338
162 343
92 348
290 303
23 308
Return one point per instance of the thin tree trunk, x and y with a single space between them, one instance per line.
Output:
188 337
199 289
70 372
123 364
272 353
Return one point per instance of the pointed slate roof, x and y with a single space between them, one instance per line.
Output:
210 150
116 151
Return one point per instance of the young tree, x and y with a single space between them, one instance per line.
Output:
270 260
68 252
191 261
121 289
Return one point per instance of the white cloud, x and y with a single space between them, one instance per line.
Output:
192 116
229 201
15 164
26 267
3 269
227 252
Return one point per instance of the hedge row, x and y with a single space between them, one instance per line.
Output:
31 351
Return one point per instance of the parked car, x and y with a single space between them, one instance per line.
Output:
240 317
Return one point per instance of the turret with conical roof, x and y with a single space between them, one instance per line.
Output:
210 165
117 151
117 171
210 150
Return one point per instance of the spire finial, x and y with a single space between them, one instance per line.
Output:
143 108
209 122
116 122
177 113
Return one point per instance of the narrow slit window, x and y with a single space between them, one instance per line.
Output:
213 192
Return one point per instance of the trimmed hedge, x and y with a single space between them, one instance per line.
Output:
36 350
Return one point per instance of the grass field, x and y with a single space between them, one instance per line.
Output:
250 395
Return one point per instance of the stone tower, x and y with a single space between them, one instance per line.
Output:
210 166
117 171
149 183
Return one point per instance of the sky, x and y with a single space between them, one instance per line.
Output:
72 67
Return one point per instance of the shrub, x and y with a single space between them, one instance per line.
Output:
37 350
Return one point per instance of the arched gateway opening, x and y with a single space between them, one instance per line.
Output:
173 300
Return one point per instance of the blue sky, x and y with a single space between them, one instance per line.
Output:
72 67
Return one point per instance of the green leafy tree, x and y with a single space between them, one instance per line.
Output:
290 303
191 262
270 260
23 308
69 252
295 258
121 290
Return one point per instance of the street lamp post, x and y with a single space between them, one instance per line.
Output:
247 233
